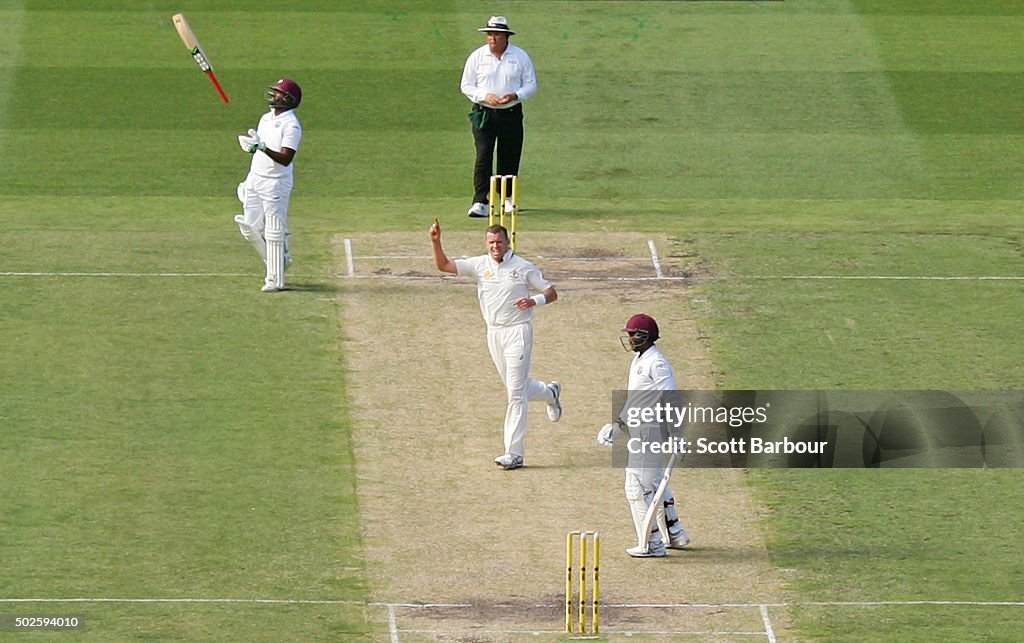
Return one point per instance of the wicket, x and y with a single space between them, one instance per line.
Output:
504 187
576 601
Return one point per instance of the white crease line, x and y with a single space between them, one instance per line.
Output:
537 257
731 278
816 604
453 278
244 601
631 278
660 277
297 601
909 603
124 274
880 277
392 624
768 629
654 259
712 633
349 259
437 605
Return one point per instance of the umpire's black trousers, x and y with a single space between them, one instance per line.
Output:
504 132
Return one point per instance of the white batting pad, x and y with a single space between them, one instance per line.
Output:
252 236
275 237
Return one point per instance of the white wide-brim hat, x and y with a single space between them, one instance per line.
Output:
499 24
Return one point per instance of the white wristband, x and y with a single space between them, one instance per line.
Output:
539 300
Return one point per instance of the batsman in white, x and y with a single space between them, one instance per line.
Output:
504 282
267 189
649 372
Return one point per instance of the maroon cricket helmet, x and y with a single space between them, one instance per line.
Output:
284 94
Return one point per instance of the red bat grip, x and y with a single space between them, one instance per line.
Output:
213 79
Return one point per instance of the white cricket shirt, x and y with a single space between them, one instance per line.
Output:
277 131
650 371
500 285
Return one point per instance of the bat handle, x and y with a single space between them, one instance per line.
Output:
220 90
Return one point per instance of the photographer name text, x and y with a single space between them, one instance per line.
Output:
733 446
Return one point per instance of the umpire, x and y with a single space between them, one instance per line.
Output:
497 78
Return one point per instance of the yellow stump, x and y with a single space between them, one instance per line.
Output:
568 581
504 187
581 620
576 582
595 599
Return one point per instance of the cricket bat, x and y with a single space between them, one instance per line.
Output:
194 48
652 511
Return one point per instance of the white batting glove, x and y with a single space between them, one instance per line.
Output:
260 145
251 143
606 435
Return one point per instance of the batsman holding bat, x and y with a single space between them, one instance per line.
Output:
650 374
267 189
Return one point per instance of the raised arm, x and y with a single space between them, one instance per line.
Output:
444 264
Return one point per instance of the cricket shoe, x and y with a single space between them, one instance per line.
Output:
555 406
652 552
509 461
680 540
478 211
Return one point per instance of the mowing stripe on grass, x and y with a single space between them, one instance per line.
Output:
10 44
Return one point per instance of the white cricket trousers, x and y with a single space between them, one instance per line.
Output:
644 471
263 197
510 348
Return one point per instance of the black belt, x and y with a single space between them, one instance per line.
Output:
477 107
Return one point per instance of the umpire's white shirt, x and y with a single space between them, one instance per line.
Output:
500 285
277 131
484 73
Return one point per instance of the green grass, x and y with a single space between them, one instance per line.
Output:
866 333
187 437
175 438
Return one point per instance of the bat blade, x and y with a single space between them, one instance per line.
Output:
185 31
652 511
192 44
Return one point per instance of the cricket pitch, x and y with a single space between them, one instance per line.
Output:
456 546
